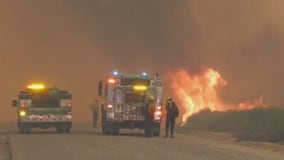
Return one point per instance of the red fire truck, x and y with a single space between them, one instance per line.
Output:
125 99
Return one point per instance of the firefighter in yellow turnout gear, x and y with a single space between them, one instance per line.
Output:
149 117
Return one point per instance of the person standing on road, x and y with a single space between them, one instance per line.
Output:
95 109
149 117
172 114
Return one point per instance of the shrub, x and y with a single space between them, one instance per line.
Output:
261 124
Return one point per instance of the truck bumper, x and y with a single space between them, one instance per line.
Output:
44 124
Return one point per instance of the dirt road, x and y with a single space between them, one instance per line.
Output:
88 144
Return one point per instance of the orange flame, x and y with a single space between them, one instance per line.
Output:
197 92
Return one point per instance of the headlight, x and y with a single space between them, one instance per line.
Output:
23 113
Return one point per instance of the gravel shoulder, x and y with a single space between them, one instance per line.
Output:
228 138
86 143
4 148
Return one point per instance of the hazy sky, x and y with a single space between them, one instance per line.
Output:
72 44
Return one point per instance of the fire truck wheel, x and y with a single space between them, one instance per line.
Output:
24 130
115 132
148 131
66 130
106 130
156 133
59 130
63 129
156 129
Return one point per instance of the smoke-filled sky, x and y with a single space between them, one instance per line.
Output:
72 44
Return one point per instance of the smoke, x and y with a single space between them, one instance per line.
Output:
158 32
73 44
242 39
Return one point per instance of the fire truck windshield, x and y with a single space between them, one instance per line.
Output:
45 100
134 97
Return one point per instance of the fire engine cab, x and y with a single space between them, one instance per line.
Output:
125 101
38 106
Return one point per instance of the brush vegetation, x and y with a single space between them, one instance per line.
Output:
259 124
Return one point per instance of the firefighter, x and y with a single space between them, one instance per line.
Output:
95 109
172 114
149 117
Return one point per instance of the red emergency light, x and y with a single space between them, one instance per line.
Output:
157 113
111 80
159 107
22 105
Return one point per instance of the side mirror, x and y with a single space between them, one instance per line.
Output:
100 88
15 103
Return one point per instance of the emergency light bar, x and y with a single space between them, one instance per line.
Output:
144 74
140 88
115 73
36 86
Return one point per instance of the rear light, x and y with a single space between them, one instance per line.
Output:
69 105
158 113
157 116
109 106
22 105
159 108
111 80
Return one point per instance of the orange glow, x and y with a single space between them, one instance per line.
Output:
111 80
196 92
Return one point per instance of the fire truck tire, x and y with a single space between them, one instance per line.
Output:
156 130
148 131
63 129
106 130
66 130
115 132
24 130
59 130
156 133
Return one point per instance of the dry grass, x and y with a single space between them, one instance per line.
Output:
259 124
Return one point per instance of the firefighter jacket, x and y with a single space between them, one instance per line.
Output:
151 108
172 110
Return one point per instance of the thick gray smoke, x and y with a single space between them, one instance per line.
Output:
243 40
161 31
73 44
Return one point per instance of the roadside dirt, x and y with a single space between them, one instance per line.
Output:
4 148
229 138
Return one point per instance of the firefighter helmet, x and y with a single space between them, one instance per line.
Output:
151 98
169 99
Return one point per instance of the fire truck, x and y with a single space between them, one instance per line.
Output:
125 99
42 107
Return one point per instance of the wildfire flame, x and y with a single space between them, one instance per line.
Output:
197 92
